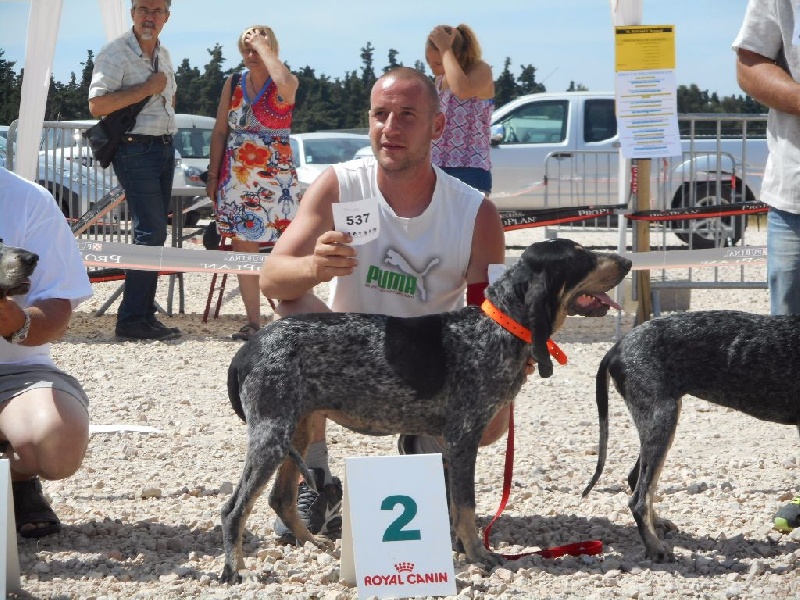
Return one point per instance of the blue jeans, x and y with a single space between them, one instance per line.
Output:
477 178
145 170
783 262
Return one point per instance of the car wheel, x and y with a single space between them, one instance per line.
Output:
702 234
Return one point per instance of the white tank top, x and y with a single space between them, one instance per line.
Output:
416 266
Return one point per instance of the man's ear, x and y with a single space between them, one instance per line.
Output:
438 126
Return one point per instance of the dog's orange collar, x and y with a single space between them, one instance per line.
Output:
518 330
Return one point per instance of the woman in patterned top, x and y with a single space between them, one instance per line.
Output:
466 97
251 175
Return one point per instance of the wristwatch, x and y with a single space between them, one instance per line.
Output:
21 334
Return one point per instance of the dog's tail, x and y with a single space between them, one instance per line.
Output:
304 470
601 397
233 391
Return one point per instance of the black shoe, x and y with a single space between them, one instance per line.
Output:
321 512
144 331
153 322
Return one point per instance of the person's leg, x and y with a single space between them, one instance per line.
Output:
145 172
783 275
44 425
248 285
783 262
47 430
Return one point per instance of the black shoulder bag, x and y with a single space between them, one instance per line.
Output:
104 136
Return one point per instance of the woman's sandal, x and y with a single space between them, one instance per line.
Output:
34 516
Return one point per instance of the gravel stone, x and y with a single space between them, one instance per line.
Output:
141 517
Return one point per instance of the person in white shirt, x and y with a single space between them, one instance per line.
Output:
437 238
44 418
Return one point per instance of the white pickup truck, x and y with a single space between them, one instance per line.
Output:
559 150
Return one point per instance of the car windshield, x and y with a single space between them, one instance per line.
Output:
193 142
332 150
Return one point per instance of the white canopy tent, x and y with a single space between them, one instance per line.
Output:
43 24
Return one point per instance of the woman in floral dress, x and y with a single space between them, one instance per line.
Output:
251 176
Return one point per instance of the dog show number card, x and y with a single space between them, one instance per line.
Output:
9 578
396 528
359 219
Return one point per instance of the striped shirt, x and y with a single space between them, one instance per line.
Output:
121 64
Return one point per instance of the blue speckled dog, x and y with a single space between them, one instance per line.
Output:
743 361
444 374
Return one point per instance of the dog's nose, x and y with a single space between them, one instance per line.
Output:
29 259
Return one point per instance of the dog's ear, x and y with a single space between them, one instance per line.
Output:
540 315
547 265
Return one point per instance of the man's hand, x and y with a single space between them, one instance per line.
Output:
11 317
333 256
530 368
442 37
156 83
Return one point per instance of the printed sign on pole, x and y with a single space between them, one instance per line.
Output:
396 528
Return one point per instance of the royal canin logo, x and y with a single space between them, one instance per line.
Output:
405 575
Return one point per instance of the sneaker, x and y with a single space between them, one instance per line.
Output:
144 331
246 332
788 516
321 512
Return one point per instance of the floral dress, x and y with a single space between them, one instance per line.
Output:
258 193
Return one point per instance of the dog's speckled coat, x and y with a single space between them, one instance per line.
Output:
444 374
743 361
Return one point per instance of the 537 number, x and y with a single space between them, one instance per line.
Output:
357 219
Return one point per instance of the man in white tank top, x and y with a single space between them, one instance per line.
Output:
437 238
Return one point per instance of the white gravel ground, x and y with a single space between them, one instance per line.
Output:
141 518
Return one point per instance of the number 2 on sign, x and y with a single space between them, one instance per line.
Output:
357 219
395 531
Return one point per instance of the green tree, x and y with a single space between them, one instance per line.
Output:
392 61
527 81
505 87
10 86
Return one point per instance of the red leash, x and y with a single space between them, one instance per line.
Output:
590 547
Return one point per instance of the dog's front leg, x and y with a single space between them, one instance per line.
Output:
461 471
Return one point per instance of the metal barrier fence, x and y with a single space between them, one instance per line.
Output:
81 187
715 169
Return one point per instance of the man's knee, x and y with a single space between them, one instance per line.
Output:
305 304
496 428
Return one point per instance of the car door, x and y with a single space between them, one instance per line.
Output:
522 138
543 158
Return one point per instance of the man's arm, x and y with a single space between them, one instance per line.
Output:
309 251
762 79
488 243
49 320
101 106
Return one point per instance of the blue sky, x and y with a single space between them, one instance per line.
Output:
566 40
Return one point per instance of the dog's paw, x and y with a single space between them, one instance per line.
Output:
322 542
659 554
664 526
230 575
481 555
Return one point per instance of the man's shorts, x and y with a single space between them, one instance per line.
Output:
17 379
